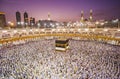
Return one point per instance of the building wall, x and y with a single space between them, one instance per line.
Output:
26 19
2 20
18 18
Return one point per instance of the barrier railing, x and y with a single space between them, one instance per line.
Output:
70 35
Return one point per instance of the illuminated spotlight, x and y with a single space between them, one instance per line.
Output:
26 23
22 23
118 30
102 24
67 24
18 23
15 31
115 21
24 30
71 29
31 30
9 22
36 30
32 24
105 30
4 31
57 24
12 24
53 25
38 24
63 29
58 29
96 22
86 29
106 22
43 30
74 23
53 29
93 30
79 29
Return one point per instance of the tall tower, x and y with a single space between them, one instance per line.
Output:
82 16
18 18
2 20
49 16
26 18
31 21
91 15
34 21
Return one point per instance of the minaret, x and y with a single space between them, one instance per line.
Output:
49 16
31 21
82 16
91 15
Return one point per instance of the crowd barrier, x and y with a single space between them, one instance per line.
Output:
107 39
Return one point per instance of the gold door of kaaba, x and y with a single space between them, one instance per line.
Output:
61 44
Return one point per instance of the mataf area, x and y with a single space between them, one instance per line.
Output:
39 60
59 39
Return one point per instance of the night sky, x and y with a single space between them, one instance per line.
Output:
61 10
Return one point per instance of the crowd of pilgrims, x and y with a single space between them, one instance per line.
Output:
39 60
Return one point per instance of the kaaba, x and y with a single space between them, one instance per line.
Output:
61 44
